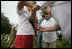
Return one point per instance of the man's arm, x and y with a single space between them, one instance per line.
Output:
50 29
12 30
42 4
10 43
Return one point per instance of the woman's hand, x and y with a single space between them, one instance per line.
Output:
35 8
40 28
37 32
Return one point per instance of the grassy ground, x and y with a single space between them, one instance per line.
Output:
60 43
3 43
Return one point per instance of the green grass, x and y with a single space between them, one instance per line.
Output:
62 44
59 43
3 43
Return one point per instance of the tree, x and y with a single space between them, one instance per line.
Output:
5 25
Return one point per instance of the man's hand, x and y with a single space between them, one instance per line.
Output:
37 32
41 29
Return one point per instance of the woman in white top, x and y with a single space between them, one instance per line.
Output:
49 26
25 32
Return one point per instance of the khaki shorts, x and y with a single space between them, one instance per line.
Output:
49 45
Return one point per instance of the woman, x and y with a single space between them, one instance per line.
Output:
25 32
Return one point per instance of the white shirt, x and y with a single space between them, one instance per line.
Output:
49 36
61 11
24 26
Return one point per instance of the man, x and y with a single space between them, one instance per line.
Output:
12 36
61 11
49 27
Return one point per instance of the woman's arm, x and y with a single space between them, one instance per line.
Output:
35 8
22 3
50 29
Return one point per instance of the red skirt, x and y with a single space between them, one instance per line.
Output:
24 41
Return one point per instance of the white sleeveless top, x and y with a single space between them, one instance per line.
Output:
24 26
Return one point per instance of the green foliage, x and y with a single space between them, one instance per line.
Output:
5 25
3 43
